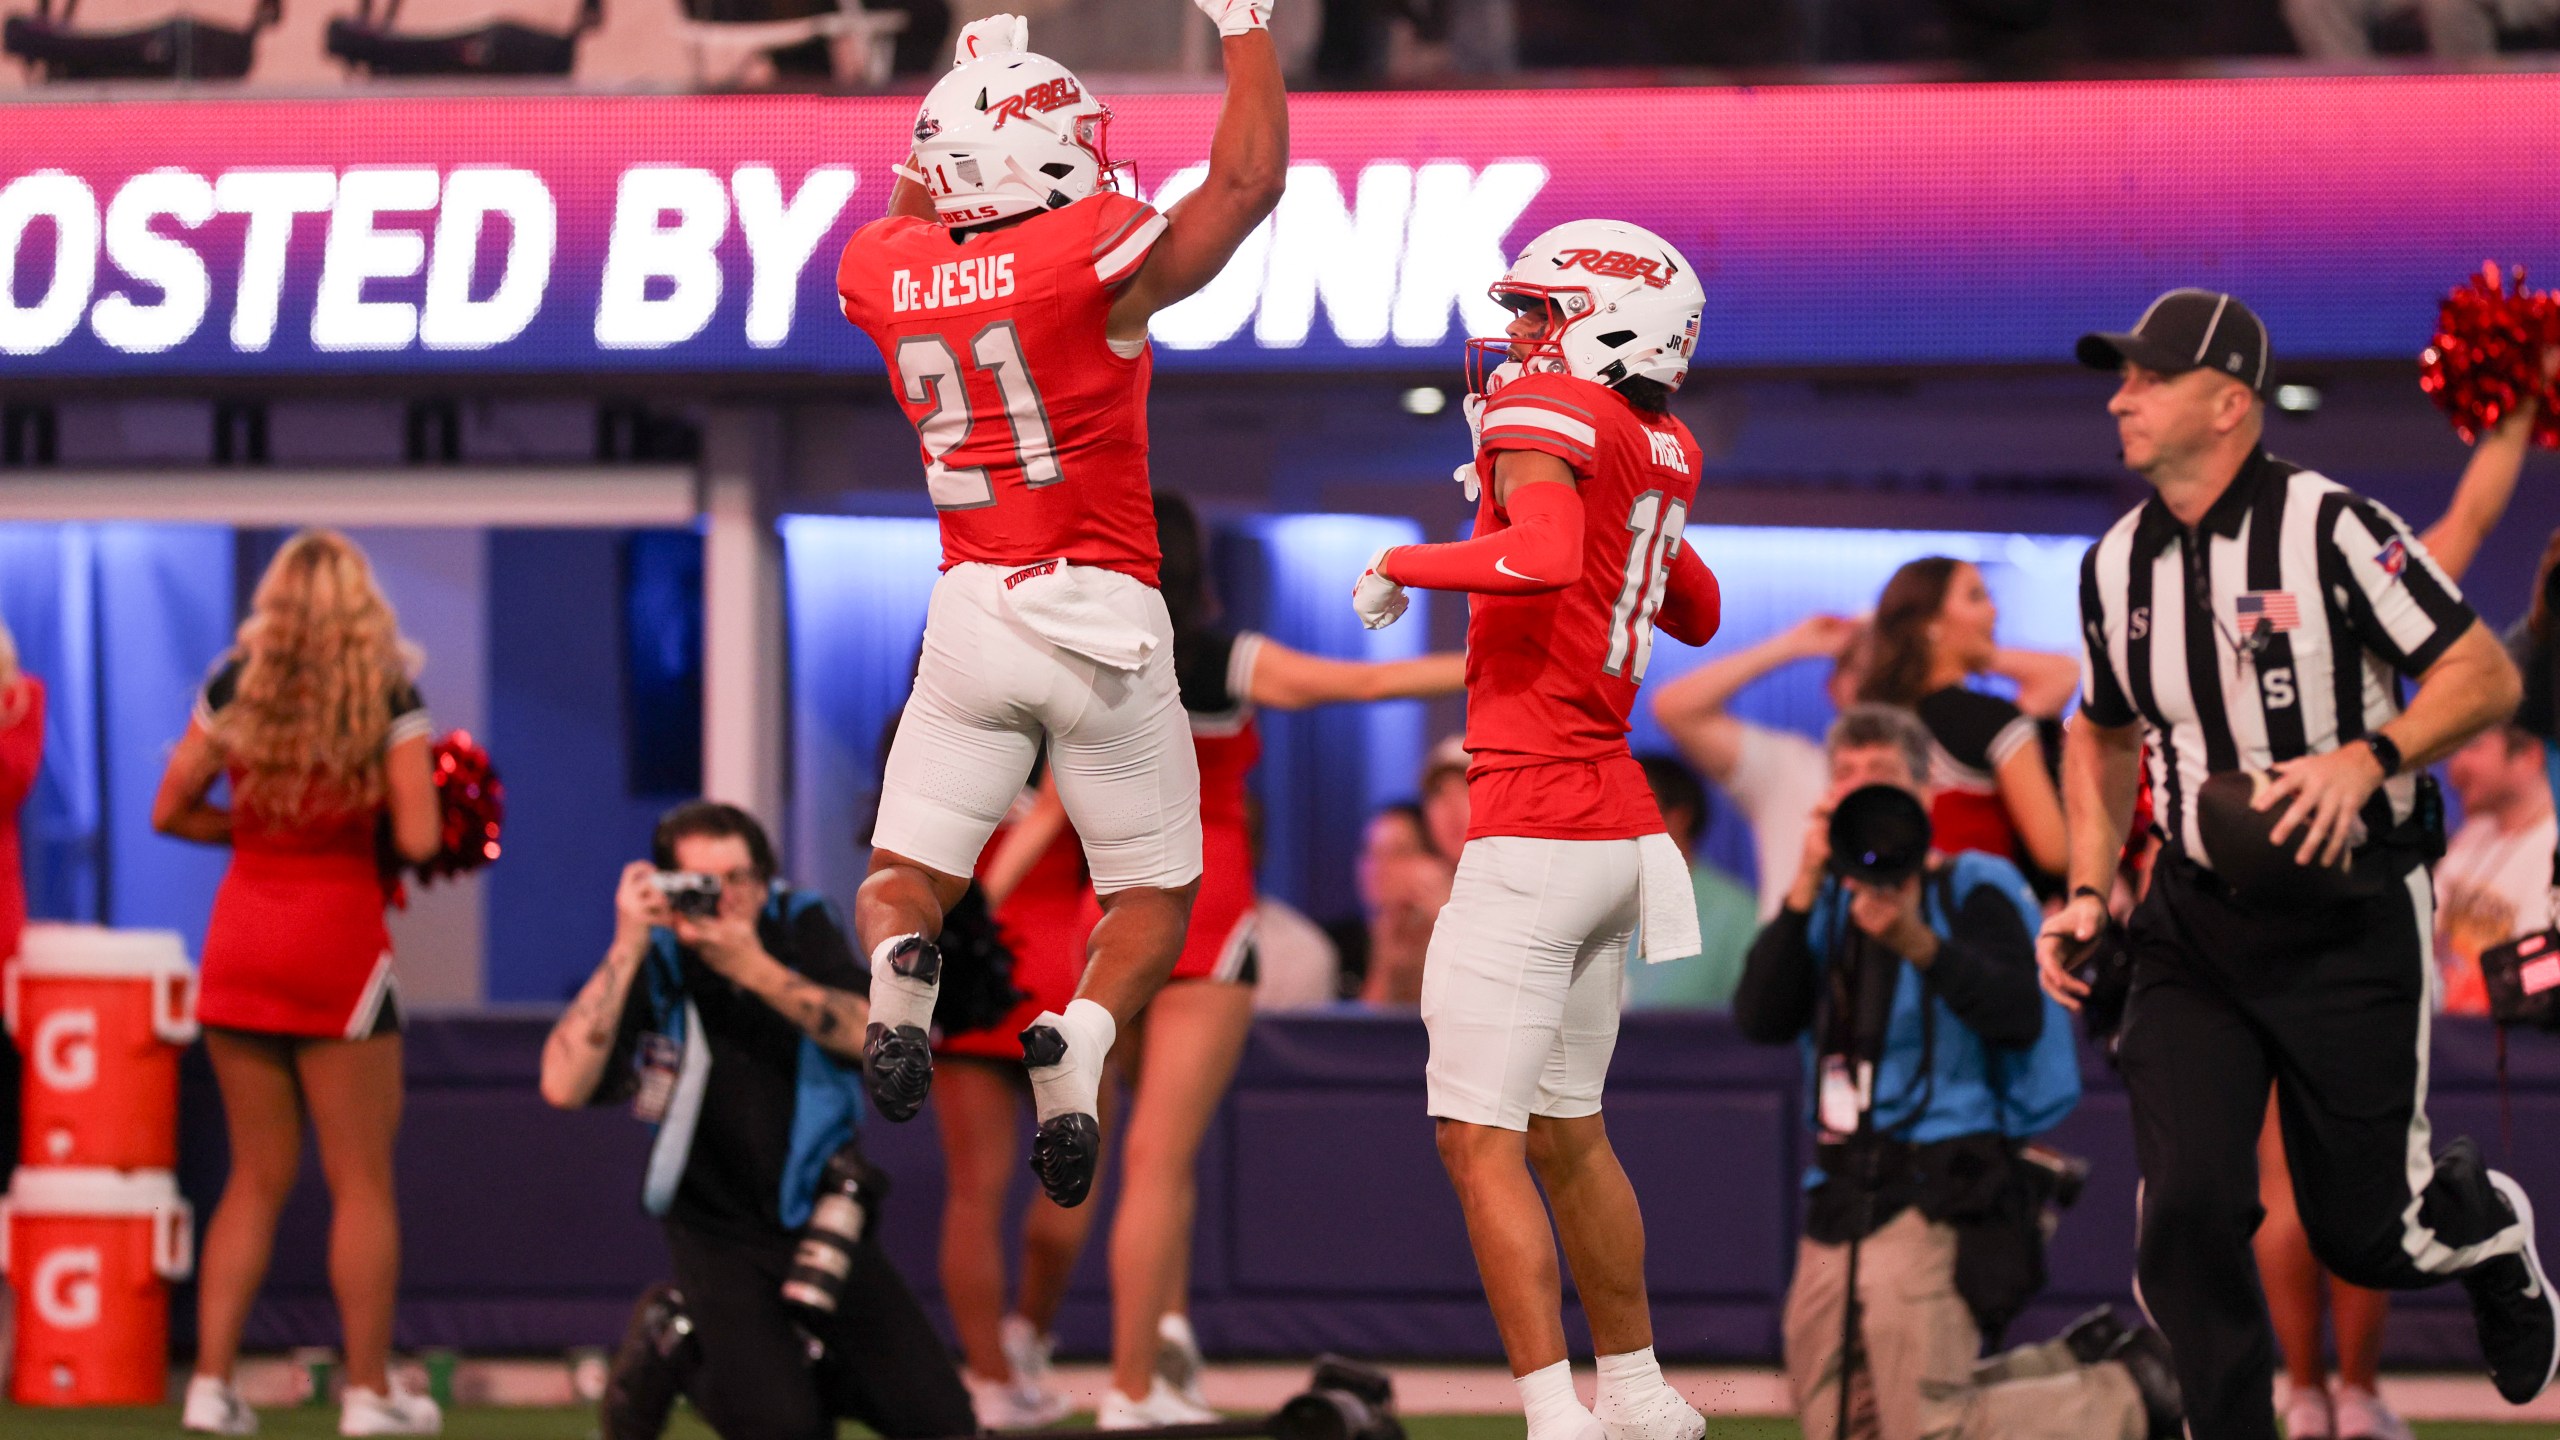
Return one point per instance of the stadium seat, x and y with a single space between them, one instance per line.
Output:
736 51
457 37
136 39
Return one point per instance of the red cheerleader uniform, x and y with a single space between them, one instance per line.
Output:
1216 675
297 945
1045 923
1971 735
21 756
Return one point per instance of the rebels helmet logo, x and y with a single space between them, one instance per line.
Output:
1618 265
926 128
1039 99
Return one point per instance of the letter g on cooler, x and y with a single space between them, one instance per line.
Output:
65 1287
65 1049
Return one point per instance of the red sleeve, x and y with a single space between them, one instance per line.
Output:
22 750
1544 413
860 272
1693 603
1540 550
1124 232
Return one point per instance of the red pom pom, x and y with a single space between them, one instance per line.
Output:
2486 361
474 804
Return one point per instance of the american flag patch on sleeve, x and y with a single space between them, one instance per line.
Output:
2277 608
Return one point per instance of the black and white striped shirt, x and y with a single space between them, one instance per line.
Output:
2286 636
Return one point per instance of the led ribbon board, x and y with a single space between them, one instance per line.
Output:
1834 226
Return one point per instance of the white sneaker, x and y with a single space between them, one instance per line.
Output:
1010 1405
214 1408
2306 1412
1161 1407
402 1412
1178 1359
2361 1415
1031 1398
1658 1414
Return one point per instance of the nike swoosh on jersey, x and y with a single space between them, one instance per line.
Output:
1502 565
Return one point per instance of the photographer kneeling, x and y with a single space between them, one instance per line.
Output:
1910 979
729 1012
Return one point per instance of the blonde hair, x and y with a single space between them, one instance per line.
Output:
320 655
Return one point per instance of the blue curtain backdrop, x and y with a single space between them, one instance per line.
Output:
121 622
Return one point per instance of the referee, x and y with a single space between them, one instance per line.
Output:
2254 616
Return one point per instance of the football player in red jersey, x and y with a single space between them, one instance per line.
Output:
1009 287
1586 481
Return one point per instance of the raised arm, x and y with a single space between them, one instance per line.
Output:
1286 679
1691 709
2046 682
182 809
2480 500
1248 164
582 1043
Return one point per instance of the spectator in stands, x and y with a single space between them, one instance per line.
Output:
1906 998
1444 796
1727 915
1992 789
1403 881
1775 777
21 756
2456 30
2494 882
735 1029
313 719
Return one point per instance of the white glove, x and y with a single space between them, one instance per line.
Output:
995 35
1468 481
1472 406
1237 17
1380 601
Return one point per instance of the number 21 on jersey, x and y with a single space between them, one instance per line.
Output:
1656 524
930 374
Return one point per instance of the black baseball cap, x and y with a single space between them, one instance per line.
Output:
2188 330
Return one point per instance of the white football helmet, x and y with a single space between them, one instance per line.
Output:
1620 303
1007 134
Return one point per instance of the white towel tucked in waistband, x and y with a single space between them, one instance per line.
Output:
1070 606
1670 902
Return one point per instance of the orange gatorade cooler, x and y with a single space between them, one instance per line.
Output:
91 1254
100 1015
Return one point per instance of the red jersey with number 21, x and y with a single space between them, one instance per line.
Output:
1034 429
1552 678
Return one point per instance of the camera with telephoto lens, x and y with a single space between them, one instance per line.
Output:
690 892
1880 835
1344 1400
849 1196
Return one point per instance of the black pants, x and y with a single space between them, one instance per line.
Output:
880 1364
2332 1010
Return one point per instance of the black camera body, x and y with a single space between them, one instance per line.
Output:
689 892
1879 834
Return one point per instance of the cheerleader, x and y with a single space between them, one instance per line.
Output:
313 720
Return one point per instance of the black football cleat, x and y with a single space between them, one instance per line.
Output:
2512 1304
1065 1154
897 1060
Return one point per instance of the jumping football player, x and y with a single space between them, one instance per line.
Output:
1586 481
1009 288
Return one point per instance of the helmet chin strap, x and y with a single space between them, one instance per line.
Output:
905 171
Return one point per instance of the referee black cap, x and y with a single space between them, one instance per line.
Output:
2188 330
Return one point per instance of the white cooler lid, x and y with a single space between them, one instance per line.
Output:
94 951
85 1190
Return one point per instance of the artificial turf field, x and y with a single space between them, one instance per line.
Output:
160 1424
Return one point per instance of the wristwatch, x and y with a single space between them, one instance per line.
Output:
2386 753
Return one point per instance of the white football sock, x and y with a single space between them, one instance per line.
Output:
897 999
1073 1086
1628 1380
1554 1411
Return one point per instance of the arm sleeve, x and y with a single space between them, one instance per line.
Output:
1986 971
1693 603
2102 696
2400 603
1125 232
1539 551
22 750
409 718
1774 1002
